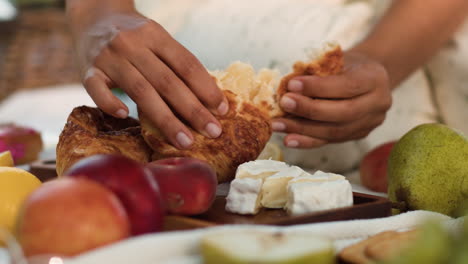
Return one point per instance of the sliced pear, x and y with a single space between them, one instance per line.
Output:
246 246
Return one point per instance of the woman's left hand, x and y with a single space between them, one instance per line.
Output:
336 108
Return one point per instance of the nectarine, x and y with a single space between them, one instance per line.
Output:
131 182
70 216
188 185
373 168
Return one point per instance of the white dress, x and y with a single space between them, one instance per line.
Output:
276 33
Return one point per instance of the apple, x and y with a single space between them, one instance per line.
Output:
131 182
70 216
188 185
373 167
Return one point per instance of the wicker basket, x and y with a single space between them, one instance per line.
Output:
39 53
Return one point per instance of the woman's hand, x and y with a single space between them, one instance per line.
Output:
124 49
349 106
335 108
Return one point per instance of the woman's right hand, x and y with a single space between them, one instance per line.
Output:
121 48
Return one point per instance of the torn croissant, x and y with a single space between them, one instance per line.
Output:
253 101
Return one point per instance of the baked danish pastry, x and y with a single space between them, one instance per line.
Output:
90 131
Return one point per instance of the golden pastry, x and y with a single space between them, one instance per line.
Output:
90 131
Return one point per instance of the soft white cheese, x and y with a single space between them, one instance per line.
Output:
318 176
274 189
244 196
311 196
259 169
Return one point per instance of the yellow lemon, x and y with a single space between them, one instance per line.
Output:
15 185
6 160
271 151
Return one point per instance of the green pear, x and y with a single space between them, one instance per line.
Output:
244 247
428 170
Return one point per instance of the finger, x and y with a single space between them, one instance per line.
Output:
301 141
331 132
149 101
349 84
326 110
96 84
191 71
176 93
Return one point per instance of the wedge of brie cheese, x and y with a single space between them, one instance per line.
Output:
244 196
318 192
274 189
318 176
260 169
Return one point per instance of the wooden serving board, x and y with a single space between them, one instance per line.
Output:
365 207
44 170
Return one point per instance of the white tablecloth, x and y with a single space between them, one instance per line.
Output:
183 247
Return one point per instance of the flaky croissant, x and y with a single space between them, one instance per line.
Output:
253 100
90 131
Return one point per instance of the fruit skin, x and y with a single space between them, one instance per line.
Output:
244 247
24 142
133 185
188 185
15 185
69 216
373 167
428 169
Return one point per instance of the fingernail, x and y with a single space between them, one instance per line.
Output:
292 144
295 86
288 103
183 140
121 113
213 130
223 108
278 126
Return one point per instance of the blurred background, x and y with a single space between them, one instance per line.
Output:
33 34
39 82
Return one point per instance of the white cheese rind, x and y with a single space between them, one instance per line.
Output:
331 176
274 189
306 197
318 176
244 196
259 169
